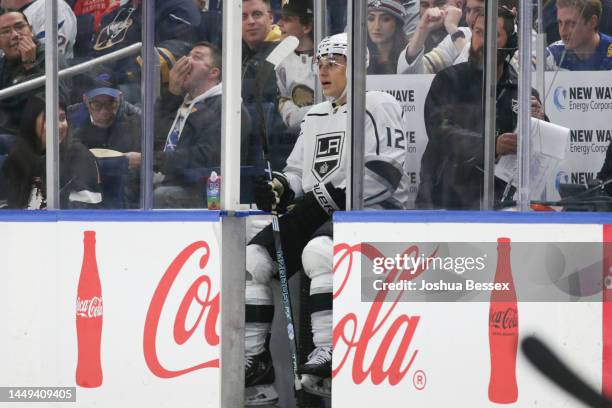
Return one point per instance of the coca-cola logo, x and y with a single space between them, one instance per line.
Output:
504 319
350 337
205 308
89 308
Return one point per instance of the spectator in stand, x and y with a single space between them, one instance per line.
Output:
439 19
97 8
386 37
89 14
260 36
113 124
177 19
34 10
451 167
173 19
24 172
189 128
451 50
23 58
259 88
294 75
551 27
582 46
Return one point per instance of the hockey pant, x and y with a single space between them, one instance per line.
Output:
307 245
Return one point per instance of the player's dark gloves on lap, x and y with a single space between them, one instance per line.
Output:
276 194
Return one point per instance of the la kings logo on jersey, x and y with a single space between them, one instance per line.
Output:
328 154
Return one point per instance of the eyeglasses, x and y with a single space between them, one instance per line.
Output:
98 106
327 62
19 28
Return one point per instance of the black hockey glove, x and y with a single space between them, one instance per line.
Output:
277 193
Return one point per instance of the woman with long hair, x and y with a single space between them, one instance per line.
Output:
386 37
24 172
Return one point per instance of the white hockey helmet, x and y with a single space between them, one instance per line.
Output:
336 44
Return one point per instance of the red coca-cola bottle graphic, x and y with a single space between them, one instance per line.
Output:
89 317
503 331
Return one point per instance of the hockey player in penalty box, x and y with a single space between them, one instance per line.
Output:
313 186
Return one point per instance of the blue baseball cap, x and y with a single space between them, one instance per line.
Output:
103 84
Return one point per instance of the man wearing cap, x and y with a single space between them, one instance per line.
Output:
188 129
294 75
113 124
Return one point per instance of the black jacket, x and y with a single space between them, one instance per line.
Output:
123 135
173 19
199 145
259 82
451 167
13 73
256 73
25 169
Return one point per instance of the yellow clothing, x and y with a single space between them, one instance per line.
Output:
274 34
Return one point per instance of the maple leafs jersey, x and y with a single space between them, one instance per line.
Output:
321 152
296 80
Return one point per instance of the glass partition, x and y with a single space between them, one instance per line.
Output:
577 59
429 121
429 154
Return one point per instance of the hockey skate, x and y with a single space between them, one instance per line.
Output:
316 373
259 380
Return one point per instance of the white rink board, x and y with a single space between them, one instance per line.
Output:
576 100
38 345
451 339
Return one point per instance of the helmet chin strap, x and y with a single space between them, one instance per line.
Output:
333 99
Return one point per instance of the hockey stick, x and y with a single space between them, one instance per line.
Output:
280 52
551 366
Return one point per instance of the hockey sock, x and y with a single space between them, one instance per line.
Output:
258 299
317 261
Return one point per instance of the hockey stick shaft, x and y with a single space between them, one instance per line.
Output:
284 285
280 258
283 277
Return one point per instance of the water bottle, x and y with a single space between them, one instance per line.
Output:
213 191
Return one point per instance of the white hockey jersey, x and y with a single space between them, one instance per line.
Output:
321 152
296 80
66 25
